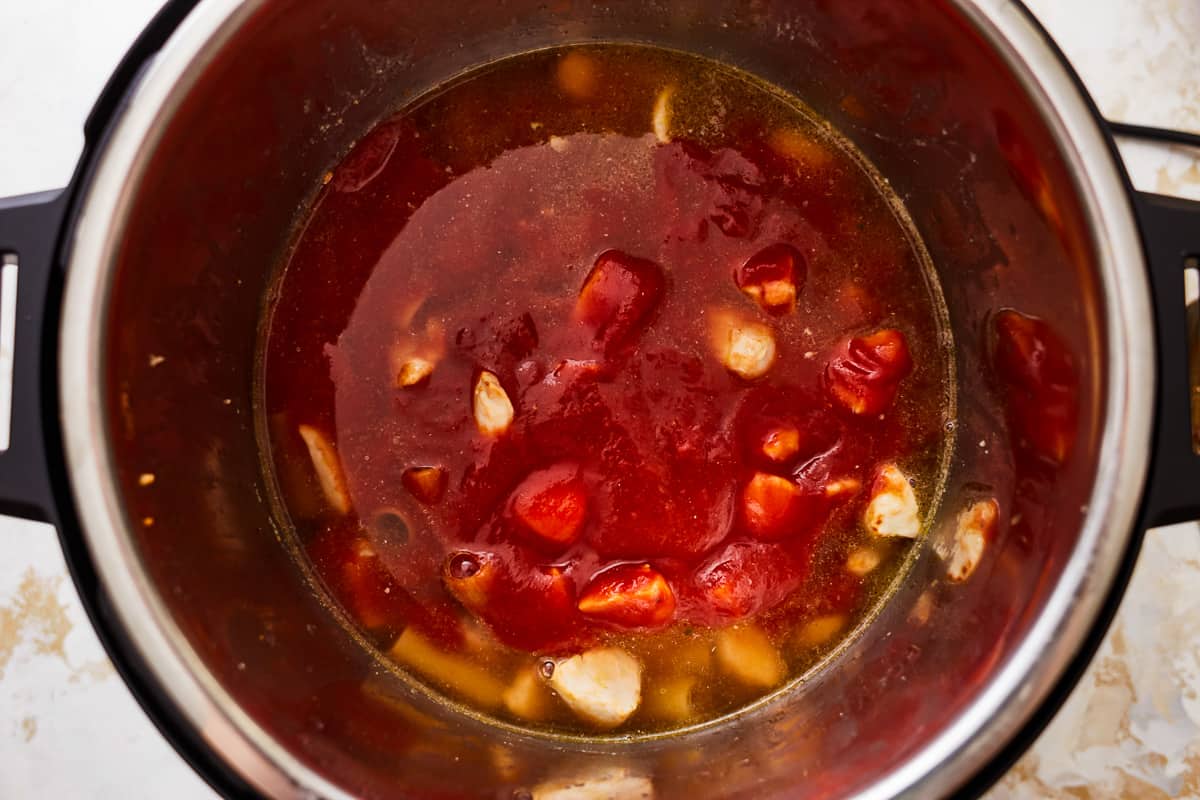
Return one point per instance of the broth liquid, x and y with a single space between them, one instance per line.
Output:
458 233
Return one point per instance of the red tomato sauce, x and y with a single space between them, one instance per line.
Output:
607 347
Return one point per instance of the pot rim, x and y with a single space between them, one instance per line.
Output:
945 763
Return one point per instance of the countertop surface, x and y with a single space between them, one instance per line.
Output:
69 727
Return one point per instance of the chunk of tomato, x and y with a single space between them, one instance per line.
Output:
864 375
774 508
618 297
360 581
745 578
1040 384
629 596
528 606
550 505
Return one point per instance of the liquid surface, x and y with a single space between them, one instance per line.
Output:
605 389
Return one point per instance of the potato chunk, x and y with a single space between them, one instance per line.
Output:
808 151
576 75
862 561
328 468
450 672
842 488
603 685
526 697
671 699
975 528
493 410
747 654
820 630
893 508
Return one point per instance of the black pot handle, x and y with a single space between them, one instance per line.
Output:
1170 229
29 231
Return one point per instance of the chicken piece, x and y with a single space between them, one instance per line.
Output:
602 685
328 468
745 577
472 578
893 509
746 349
530 607
413 372
976 526
359 580
612 783
745 653
492 408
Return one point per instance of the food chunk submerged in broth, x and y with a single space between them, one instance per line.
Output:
595 441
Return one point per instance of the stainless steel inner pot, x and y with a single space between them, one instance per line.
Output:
965 107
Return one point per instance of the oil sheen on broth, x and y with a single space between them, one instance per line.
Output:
605 389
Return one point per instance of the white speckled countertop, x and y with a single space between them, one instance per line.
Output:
70 729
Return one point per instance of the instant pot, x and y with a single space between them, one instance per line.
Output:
131 301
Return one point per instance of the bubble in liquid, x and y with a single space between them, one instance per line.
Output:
463 565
